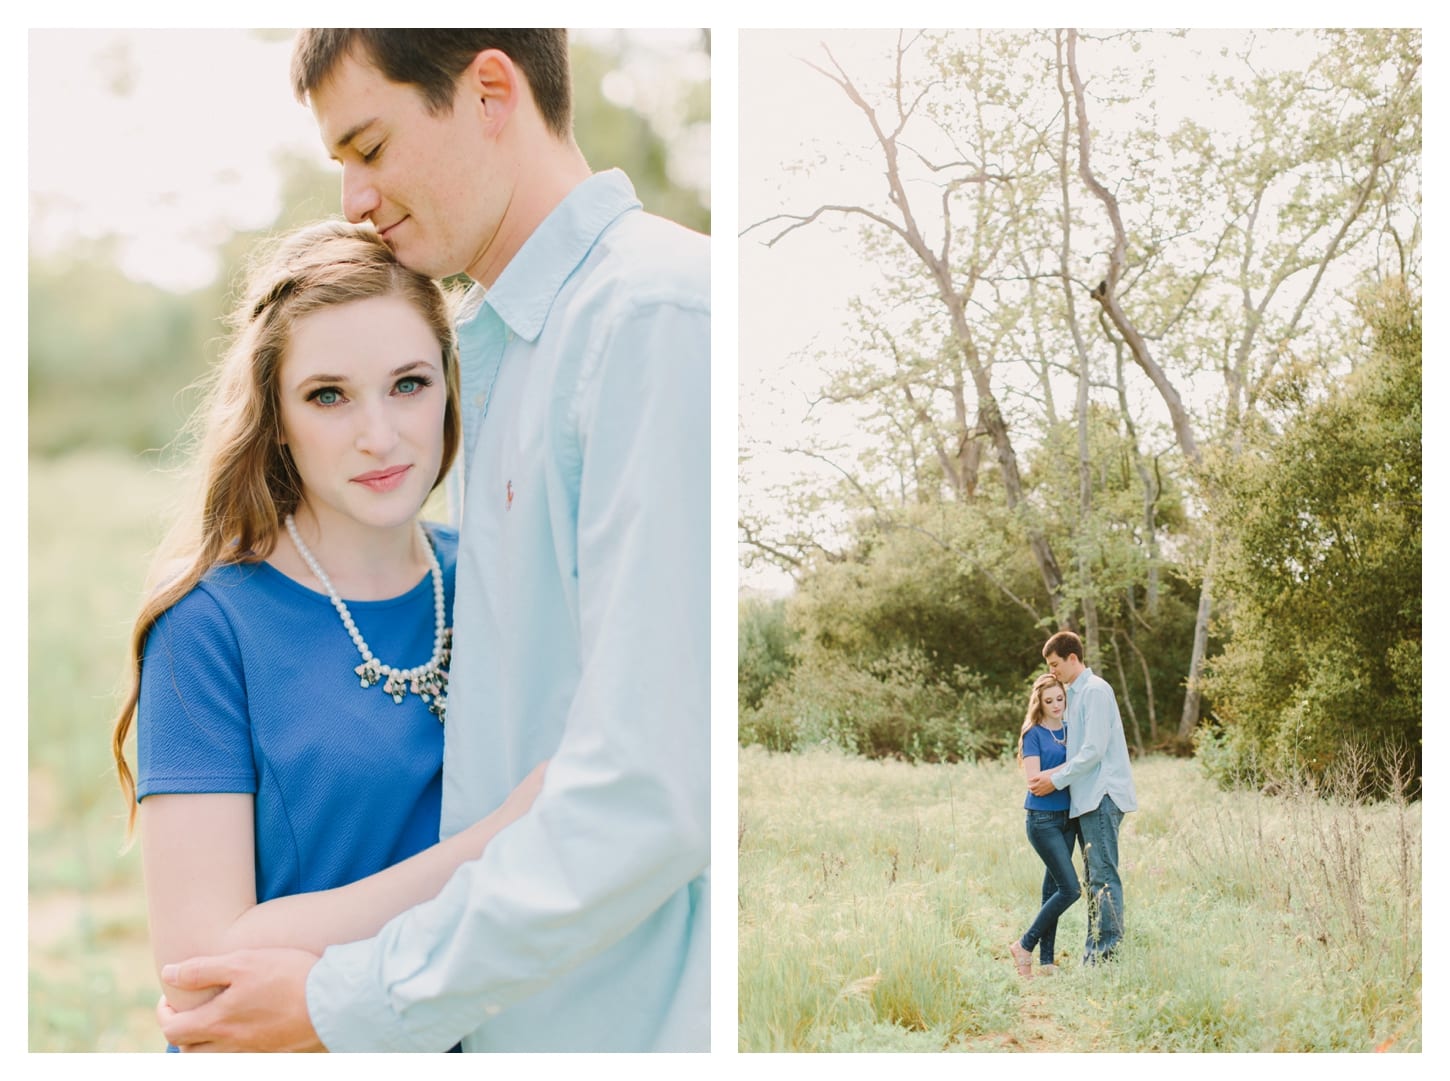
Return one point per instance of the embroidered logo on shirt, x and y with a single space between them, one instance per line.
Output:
509 491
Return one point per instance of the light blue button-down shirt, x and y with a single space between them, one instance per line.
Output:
1097 750
581 634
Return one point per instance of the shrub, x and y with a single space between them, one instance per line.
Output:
893 707
765 649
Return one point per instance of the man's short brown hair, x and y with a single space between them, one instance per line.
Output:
432 60
1064 644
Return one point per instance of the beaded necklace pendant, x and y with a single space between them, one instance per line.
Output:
428 681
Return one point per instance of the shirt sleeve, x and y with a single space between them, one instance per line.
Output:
1099 709
1031 742
622 822
193 733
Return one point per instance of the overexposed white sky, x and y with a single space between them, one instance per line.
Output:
793 297
177 160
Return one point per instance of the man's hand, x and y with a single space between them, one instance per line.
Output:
1041 785
262 1005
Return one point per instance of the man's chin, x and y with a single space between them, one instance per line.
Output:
420 262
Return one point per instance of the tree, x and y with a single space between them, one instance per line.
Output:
1321 553
1341 138
1046 236
937 385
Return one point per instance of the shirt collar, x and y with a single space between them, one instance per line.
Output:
525 291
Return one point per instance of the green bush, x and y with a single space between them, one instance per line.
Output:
765 648
891 708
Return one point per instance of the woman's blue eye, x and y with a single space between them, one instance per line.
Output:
327 396
411 384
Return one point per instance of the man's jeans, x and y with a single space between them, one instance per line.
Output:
1099 829
1052 834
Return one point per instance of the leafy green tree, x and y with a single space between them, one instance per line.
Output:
766 651
893 707
1321 566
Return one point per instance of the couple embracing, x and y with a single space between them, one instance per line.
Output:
407 786
1074 757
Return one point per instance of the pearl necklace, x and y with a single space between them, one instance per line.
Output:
428 681
1060 742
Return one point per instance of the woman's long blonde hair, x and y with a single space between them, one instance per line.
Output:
1036 711
244 483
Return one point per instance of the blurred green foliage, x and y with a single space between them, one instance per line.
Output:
613 136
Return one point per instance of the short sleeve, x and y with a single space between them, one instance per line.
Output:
193 734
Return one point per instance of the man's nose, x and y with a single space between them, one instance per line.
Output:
359 194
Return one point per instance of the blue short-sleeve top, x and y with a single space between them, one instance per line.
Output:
247 685
1043 743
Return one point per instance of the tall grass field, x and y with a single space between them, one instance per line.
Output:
877 900
94 519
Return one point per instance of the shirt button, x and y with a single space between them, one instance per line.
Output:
479 400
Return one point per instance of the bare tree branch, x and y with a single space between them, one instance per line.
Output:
1107 295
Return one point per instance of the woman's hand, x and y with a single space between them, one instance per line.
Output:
180 999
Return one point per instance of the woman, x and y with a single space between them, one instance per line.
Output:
1041 746
289 742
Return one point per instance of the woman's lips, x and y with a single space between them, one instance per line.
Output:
383 480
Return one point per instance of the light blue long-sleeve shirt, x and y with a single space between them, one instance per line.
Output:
581 634
1097 750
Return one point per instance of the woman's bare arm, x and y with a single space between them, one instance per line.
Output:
1031 767
197 854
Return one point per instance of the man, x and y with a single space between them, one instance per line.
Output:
581 624
1101 786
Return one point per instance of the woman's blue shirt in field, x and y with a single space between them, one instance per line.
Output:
247 685
1043 743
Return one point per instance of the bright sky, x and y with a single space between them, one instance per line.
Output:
165 138
793 296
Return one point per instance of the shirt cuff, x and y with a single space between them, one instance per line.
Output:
347 1009
1053 776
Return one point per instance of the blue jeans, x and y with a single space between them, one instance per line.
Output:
1099 830
1052 834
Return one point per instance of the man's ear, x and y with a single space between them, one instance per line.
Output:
497 84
